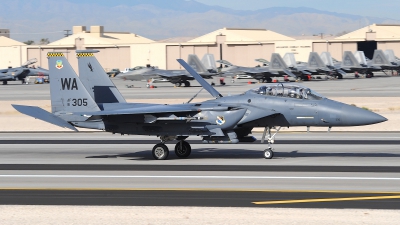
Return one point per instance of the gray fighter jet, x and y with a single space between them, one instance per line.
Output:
220 120
314 66
276 68
393 59
379 62
349 64
177 77
20 73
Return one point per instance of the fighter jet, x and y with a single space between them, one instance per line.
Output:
333 64
379 62
177 77
394 60
349 64
276 68
314 66
20 73
227 119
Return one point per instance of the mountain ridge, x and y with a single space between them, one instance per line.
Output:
156 19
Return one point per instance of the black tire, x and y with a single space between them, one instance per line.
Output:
261 80
160 151
185 151
339 76
268 154
187 84
178 84
268 80
5 82
369 75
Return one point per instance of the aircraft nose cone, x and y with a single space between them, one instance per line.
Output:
354 116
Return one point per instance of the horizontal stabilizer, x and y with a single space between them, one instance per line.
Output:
41 114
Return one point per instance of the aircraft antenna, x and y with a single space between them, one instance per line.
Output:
194 96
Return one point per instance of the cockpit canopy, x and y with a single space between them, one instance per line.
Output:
288 91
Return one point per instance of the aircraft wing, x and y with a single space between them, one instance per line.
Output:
144 110
256 70
288 72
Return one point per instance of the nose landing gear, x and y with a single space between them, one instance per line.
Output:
269 153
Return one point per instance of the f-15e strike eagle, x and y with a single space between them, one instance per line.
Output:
20 73
92 101
177 77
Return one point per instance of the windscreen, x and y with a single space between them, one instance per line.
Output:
288 91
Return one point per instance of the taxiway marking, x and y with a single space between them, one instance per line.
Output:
326 200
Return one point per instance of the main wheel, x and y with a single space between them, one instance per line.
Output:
178 84
370 75
261 80
5 82
187 84
339 76
268 154
268 79
184 151
160 151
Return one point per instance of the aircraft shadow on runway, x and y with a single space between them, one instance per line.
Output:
216 153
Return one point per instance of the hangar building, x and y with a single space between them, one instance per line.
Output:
239 46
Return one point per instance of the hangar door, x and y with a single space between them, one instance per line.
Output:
368 47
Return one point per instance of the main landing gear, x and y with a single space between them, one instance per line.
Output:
161 152
269 153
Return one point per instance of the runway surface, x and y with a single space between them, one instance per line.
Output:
379 86
317 170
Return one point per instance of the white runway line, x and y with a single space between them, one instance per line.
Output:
198 177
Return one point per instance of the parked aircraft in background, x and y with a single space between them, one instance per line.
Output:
177 77
379 62
221 120
303 70
276 68
20 73
393 59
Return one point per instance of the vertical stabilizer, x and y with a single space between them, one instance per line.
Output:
67 92
327 58
96 80
277 62
314 61
349 60
195 63
379 59
208 61
389 53
360 57
290 59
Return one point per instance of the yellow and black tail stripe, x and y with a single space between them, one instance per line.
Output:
84 54
55 54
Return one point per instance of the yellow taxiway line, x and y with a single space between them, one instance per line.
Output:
327 200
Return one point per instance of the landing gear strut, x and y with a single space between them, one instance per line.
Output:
269 153
182 148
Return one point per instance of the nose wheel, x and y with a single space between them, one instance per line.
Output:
269 153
